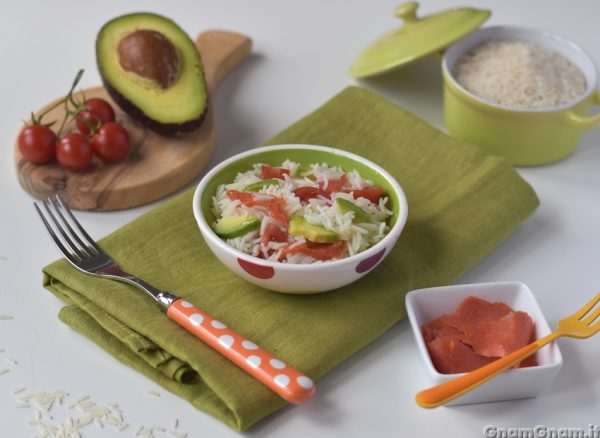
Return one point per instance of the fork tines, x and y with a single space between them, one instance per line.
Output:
586 315
62 228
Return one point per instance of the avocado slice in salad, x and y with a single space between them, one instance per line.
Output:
360 216
229 227
299 226
256 186
300 170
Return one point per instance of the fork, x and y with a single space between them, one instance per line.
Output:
85 254
582 324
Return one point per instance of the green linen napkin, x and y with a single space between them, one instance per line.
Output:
462 204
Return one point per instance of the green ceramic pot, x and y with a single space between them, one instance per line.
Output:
524 137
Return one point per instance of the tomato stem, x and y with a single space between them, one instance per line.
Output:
38 120
69 98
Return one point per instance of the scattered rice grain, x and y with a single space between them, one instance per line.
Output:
99 414
85 420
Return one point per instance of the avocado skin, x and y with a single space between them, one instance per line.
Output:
359 214
138 115
258 185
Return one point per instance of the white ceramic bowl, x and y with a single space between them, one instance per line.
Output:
297 278
424 305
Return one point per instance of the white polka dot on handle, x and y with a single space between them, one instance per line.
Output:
277 364
254 361
186 304
304 382
249 345
282 380
196 319
217 324
226 341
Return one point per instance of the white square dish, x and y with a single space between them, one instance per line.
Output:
424 305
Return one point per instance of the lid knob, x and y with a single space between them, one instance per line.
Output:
416 38
407 11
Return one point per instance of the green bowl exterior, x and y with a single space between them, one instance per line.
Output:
304 157
525 138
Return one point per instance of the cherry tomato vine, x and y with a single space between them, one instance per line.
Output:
98 134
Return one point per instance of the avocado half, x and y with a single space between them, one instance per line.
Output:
153 71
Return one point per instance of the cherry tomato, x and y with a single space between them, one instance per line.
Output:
74 152
100 108
320 251
269 172
372 193
87 121
111 142
306 193
37 143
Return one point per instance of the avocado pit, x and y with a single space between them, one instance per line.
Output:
151 55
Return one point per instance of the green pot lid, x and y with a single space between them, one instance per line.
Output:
418 37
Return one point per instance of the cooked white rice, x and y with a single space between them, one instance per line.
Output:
319 211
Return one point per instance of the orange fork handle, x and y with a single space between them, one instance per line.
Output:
443 393
280 377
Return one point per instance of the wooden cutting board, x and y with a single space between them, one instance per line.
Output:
156 165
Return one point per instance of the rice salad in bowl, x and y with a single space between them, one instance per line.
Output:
300 214
299 218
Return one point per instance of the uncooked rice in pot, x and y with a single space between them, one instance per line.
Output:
519 74
320 210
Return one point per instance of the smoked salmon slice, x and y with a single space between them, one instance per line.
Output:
451 356
474 310
501 337
446 327
477 333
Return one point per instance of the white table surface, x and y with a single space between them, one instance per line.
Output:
302 50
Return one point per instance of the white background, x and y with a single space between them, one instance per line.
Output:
302 50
